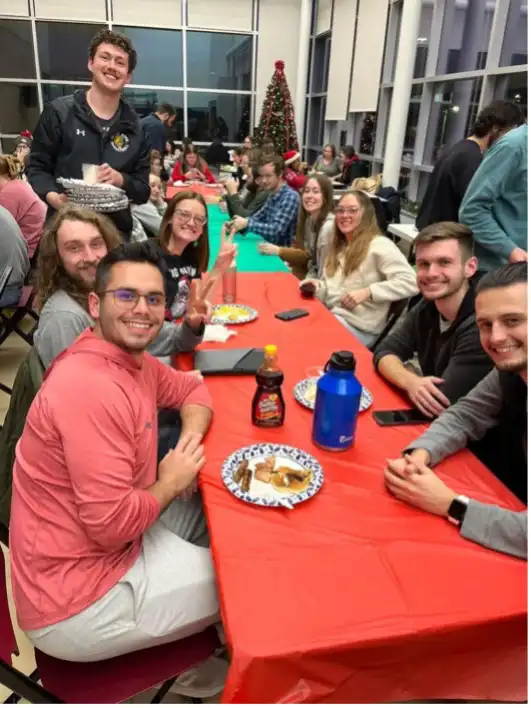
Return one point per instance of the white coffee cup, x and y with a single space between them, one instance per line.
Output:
90 173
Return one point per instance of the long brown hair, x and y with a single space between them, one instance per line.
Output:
356 251
51 275
10 166
202 245
192 150
328 204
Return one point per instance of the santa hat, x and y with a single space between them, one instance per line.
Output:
291 156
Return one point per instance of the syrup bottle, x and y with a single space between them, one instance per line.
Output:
269 409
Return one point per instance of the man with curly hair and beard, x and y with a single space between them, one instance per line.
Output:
70 250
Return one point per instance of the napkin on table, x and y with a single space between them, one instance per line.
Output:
217 333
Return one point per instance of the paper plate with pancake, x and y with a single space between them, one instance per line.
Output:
306 390
267 474
233 314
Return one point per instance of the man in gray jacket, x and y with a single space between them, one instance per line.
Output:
500 399
14 254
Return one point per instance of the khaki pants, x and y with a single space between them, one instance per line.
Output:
169 593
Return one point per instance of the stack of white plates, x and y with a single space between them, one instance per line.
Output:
99 197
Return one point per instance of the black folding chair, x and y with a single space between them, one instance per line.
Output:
4 277
11 317
395 310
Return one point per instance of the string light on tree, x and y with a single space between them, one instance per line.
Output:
277 122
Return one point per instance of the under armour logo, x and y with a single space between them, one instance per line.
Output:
80 132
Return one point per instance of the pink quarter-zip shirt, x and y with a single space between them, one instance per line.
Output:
85 459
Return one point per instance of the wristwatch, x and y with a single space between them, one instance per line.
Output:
457 510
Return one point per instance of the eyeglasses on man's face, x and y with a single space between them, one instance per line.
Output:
127 298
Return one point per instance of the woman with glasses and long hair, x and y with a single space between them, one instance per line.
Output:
192 167
364 272
314 229
184 243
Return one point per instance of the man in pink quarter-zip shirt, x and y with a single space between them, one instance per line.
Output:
109 554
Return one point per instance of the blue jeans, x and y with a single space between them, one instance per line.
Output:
11 295
366 338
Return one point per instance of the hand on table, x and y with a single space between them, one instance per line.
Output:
180 467
308 283
355 298
199 309
517 255
413 482
268 249
425 395
106 175
239 223
56 200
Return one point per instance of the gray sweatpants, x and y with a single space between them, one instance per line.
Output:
169 593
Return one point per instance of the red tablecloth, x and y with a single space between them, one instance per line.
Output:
210 192
352 596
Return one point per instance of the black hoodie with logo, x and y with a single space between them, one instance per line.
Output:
455 354
69 134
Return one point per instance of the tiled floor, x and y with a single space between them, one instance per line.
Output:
12 352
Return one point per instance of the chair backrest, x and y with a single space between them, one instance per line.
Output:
395 310
8 642
4 277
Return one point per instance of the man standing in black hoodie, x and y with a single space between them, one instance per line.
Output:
455 168
94 127
441 328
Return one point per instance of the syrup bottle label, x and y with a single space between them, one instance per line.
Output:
268 407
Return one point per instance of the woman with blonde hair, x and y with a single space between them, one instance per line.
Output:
314 228
21 202
364 271
183 240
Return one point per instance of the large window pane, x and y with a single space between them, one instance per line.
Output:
514 50
8 145
219 61
452 116
321 64
423 39
145 101
223 114
412 122
317 121
160 56
19 107
368 133
52 91
63 49
465 35
513 87
16 50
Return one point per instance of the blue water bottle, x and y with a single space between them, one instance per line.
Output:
337 404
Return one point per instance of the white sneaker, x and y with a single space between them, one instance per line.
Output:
204 680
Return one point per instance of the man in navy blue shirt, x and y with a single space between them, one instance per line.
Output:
157 126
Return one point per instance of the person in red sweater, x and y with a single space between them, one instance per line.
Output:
192 167
109 552
294 175
21 202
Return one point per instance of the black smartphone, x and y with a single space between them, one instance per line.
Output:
291 315
406 417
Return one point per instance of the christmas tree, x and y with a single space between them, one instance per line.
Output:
277 122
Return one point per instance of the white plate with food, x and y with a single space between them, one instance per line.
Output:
306 390
272 475
233 314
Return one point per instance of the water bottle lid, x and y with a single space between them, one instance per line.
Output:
270 350
342 361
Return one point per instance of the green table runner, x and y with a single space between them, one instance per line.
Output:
249 259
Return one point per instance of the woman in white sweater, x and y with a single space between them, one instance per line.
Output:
364 271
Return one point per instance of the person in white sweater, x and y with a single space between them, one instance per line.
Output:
150 214
364 271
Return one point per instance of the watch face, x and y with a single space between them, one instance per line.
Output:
457 510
